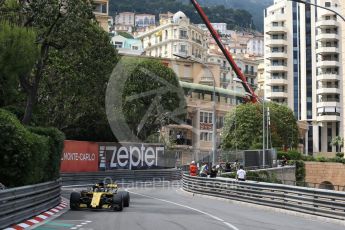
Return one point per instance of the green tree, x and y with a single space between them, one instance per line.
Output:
338 142
150 97
15 41
74 83
243 127
56 23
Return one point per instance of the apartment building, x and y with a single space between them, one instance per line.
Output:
175 36
255 46
197 131
125 18
303 67
101 11
145 20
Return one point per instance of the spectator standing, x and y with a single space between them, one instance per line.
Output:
193 169
284 161
204 170
214 171
227 167
241 174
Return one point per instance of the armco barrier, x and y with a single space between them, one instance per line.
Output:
319 202
121 176
18 204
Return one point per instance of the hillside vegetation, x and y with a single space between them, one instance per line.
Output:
235 18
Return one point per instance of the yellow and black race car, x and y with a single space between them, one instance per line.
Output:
100 196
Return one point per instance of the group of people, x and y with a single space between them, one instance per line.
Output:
213 172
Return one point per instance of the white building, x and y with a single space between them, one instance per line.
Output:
303 67
176 36
125 18
145 20
220 27
255 46
127 46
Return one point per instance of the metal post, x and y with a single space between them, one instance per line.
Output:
214 131
263 133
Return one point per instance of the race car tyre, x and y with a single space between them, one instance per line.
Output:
118 202
126 198
74 201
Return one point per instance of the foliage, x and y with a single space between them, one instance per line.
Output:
290 155
255 7
56 23
243 127
15 42
300 172
338 142
163 103
72 93
25 156
234 18
56 144
341 155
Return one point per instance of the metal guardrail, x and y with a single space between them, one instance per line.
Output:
319 202
121 176
18 204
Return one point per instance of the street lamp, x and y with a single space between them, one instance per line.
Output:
214 128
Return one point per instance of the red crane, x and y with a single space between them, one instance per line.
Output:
253 97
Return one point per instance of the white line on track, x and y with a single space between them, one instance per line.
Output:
188 207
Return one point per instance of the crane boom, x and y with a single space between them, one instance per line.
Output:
216 37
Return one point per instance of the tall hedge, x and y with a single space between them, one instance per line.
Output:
56 143
27 157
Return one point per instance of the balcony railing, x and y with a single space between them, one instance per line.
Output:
183 141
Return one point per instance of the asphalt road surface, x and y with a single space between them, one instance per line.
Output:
171 208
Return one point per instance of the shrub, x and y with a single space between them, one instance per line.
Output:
55 139
290 155
27 157
300 172
340 155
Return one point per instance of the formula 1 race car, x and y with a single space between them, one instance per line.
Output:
100 196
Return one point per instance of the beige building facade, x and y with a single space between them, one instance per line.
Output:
101 12
175 36
197 131
303 67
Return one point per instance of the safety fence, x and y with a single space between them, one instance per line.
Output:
319 202
18 204
121 176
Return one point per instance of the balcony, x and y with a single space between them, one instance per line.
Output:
276 29
271 95
327 23
325 63
276 55
183 141
328 90
330 103
250 73
276 42
327 50
327 76
277 81
328 118
327 36
278 68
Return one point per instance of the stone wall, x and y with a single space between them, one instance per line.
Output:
322 173
286 174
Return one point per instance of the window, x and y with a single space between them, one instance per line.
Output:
118 45
327 4
282 10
